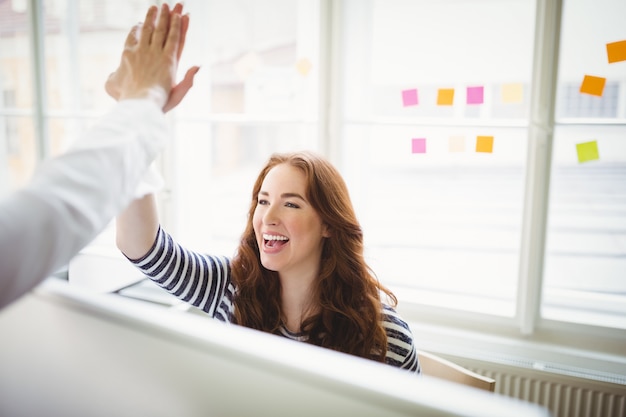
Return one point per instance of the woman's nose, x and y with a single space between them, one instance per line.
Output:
270 216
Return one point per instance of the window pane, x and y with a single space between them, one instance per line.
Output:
17 144
258 58
435 144
255 94
586 241
216 169
83 44
17 152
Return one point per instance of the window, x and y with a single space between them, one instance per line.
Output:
256 93
442 221
585 260
424 106
17 141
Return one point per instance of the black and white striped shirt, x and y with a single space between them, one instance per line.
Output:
204 281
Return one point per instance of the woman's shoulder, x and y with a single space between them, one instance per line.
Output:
401 350
391 315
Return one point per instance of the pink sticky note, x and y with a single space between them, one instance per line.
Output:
409 97
475 95
418 145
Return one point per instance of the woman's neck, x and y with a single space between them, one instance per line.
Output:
296 301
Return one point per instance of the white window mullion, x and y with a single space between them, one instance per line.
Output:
540 137
37 32
330 83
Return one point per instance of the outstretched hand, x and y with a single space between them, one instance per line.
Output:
150 60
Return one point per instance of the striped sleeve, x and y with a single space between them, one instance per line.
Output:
202 280
401 351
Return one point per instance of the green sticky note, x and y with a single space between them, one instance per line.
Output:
587 151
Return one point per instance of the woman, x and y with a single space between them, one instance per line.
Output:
299 270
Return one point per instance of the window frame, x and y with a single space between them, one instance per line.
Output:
598 345
527 325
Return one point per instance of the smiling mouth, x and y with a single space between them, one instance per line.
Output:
274 241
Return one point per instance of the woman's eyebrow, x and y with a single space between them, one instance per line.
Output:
292 195
284 195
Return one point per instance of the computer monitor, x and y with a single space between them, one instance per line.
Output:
66 352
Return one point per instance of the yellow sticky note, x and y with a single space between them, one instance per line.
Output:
587 151
512 93
445 97
303 66
246 65
456 144
616 51
484 144
593 85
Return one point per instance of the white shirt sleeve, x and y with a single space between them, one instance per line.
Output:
72 197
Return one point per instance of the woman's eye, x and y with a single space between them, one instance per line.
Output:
292 205
262 202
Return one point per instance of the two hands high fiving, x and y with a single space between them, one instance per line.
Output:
150 59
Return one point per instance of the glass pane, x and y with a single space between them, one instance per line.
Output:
255 94
216 169
436 102
17 145
83 45
258 58
17 152
586 241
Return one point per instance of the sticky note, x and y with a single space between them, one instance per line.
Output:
445 96
418 145
484 144
587 151
456 144
303 66
593 85
512 93
616 51
475 95
246 65
409 97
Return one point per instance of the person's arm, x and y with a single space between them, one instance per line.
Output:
73 197
137 227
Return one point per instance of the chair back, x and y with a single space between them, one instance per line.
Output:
438 367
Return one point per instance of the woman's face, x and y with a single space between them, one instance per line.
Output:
288 230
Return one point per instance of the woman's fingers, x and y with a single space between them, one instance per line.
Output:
184 25
178 8
133 36
179 91
172 44
150 59
148 26
162 27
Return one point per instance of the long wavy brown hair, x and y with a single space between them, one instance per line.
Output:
347 295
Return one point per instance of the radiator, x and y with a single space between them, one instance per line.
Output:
565 395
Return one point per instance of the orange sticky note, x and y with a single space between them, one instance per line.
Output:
593 85
484 144
512 93
616 51
587 151
445 96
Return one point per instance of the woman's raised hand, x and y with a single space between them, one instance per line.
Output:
150 59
